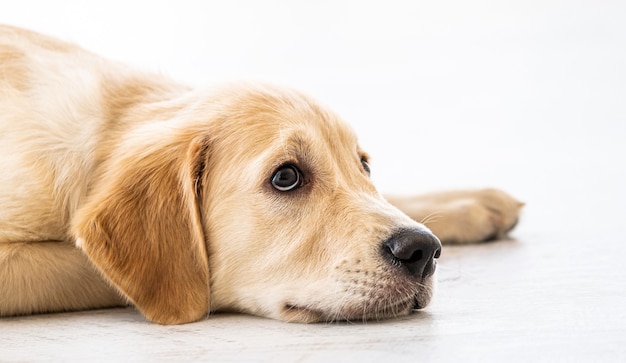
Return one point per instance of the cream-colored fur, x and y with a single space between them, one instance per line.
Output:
122 187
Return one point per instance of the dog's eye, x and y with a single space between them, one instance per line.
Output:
286 178
366 166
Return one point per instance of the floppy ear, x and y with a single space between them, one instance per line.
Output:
141 228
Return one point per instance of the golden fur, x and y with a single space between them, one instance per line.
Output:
122 187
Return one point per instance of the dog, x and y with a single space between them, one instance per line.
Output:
121 187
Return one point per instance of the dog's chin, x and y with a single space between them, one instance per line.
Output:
294 313
390 302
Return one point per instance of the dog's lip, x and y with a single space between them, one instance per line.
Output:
396 299
305 314
387 311
417 305
298 314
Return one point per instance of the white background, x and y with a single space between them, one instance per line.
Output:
525 95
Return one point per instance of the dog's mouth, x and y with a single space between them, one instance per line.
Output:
369 311
361 298
294 313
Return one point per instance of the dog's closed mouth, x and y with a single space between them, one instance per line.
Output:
371 311
376 311
298 314
417 305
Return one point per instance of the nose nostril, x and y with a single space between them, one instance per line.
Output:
416 256
437 253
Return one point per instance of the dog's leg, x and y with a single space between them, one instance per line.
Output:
463 216
40 277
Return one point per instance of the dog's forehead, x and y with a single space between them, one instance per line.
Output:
274 118
302 129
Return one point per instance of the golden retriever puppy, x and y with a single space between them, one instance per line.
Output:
120 187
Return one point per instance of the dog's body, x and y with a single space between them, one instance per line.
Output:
119 186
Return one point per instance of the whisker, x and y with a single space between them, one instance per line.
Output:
432 217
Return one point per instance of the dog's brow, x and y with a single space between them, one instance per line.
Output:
291 143
283 139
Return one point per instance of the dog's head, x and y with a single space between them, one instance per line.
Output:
262 203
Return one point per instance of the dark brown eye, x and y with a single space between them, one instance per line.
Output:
286 178
366 166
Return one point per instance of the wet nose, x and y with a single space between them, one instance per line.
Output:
414 249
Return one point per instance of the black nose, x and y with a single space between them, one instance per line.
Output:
414 249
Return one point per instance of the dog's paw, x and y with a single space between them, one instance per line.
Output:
474 216
464 216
